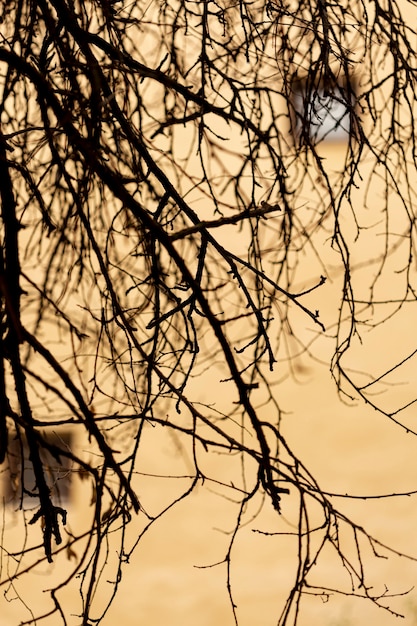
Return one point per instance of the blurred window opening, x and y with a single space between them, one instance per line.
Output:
322 112
19 483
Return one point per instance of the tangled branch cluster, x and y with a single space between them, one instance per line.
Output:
161 183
